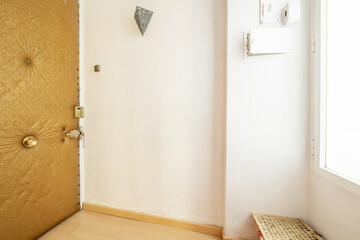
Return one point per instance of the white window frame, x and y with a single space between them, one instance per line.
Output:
318 73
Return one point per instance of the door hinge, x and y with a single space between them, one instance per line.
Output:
312 147
79 112
313 44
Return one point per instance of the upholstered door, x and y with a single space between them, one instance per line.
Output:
39 75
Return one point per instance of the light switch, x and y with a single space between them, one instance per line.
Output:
269 11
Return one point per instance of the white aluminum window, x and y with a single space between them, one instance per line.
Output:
336 96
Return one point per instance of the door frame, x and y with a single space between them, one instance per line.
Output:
82 103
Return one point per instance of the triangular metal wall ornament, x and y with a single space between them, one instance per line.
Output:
142 17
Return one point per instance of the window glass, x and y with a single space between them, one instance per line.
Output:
343 88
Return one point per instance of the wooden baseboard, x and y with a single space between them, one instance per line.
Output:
224 237
195 227
230 238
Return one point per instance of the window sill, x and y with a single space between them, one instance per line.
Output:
341 180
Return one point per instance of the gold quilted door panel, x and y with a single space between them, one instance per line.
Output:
39 186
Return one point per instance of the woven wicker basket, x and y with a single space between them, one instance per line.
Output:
282 228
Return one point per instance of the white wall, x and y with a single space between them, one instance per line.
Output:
155 114
155 129
267 124
333 211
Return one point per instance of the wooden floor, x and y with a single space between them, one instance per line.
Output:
87 225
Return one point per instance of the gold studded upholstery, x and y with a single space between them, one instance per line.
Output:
39 186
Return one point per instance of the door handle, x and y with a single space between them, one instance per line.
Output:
78 134
75 134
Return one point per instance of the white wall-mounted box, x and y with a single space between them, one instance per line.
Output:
262 41
269 11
